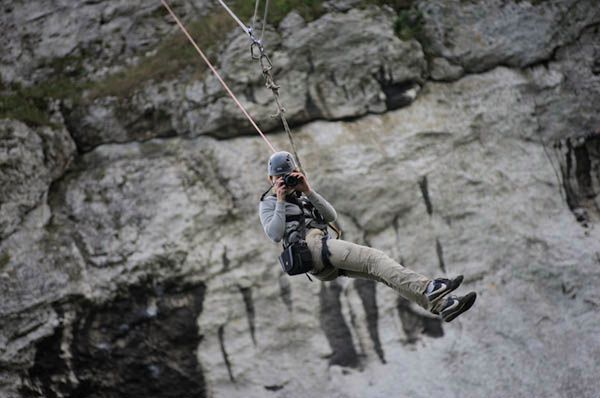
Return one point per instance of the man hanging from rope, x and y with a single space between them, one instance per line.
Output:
298 216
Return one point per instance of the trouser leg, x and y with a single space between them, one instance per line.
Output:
358 261
364 261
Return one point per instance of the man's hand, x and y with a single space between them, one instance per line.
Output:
280 189
303 185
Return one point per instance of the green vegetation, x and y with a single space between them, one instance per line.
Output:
173 55
409 24
31 111
30 104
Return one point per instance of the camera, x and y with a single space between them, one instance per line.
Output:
290 180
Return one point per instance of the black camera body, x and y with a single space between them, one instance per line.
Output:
290 180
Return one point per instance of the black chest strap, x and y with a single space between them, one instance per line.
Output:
294 217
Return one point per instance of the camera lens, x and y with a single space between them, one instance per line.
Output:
290 180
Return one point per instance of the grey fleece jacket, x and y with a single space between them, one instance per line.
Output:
272 214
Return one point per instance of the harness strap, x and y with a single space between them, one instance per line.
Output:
325 253
294 217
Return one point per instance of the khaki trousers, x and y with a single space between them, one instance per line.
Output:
356 261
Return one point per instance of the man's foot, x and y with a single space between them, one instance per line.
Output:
454 306
440 287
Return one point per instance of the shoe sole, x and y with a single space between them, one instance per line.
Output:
466 303
455 284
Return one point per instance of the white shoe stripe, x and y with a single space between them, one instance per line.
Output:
453 306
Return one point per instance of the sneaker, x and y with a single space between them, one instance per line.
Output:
455 306
442 287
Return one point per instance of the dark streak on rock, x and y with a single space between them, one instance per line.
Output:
367 290
250 313
225 260
579 164
273 388
425 193
224 352
414 323
440 254
354 323
140 344
334 325
48 362
396 93
285 291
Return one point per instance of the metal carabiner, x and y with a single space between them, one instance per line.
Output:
265 63
256 49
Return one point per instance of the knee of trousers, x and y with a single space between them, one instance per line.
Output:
375 256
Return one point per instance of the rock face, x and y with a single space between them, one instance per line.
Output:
38 34
132 261
138 345
381 72
30 160
480 35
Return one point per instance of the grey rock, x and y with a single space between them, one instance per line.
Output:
567 106
30 159
442 70
376 72
480 35
360 79
291 23
185 209
38 33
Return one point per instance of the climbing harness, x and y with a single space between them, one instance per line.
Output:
296 257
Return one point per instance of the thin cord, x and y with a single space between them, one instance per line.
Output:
212 68
262 33
232 16
256 4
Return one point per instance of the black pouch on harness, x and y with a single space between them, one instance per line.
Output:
296 259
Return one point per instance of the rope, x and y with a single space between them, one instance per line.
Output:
236 19
266 67
262 33
256 4
257 51
212 68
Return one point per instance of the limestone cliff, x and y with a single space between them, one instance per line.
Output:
461 137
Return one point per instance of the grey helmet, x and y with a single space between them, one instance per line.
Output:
281 163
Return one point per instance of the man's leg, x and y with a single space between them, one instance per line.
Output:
375 264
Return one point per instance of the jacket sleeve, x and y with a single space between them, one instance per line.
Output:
324 207
272 217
